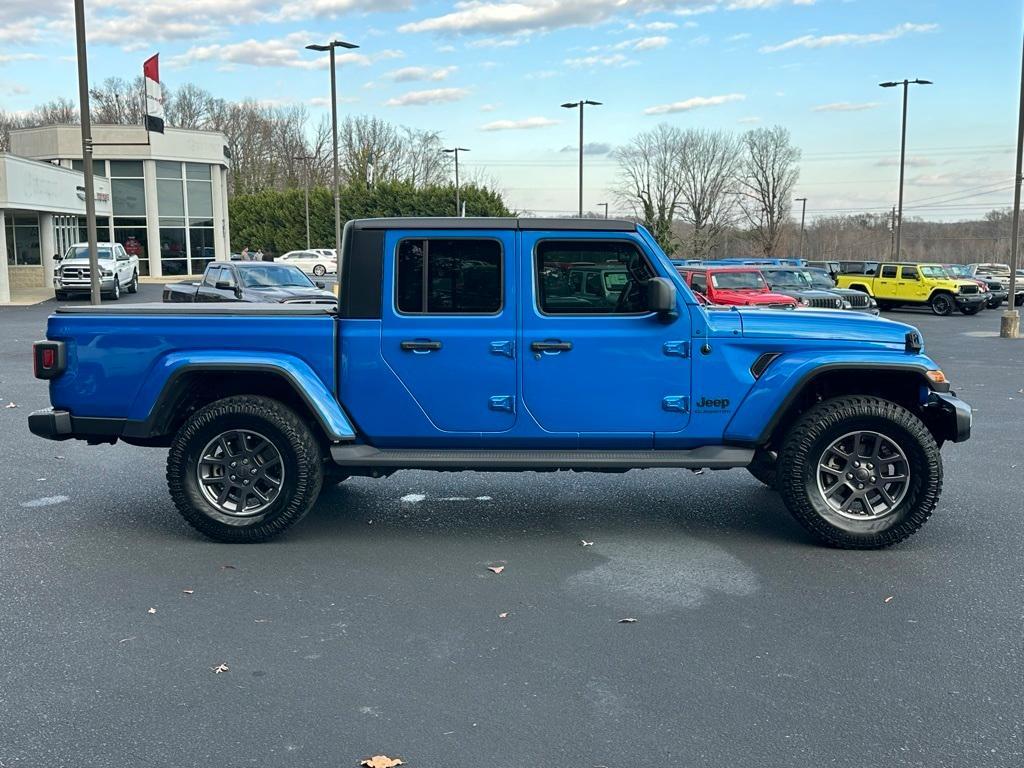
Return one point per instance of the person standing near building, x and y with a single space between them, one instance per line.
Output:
245 253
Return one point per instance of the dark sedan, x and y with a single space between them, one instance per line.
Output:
252 281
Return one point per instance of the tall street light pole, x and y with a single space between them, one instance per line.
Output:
334 132
579 105
458 200
803 213
304 159
903 151
605 209
90 195
1009 325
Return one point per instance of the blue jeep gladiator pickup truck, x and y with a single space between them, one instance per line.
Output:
480 344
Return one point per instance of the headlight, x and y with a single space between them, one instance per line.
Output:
839 304
803 302
872 302
847 305
107 273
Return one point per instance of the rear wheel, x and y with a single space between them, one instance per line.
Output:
244 469
133 286
319 270
860 472
942 304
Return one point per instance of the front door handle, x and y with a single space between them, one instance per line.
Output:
421 346
551 346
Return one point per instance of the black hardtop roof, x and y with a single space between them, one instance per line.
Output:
494 222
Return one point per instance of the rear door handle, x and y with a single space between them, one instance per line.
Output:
421 346
551 346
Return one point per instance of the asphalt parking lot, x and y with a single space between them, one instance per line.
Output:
374 628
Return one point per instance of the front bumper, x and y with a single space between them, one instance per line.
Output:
953 416
971 300
81 286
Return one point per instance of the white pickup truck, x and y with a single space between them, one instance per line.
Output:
119 271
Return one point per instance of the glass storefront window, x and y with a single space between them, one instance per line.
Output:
173 256
22 235
197 171
202 251
200 200
135 240
165 169
128 197
99 167
169 199
131 169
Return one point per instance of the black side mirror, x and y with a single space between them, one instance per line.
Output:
661 295
222 285
320 284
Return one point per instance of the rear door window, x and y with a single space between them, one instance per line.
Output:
888 271
448 276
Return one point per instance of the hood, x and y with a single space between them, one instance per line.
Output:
823 324
288 293
740 298
83 262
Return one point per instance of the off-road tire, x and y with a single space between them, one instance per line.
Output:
971 310
300 453
133 286
764 468
826 422
942 304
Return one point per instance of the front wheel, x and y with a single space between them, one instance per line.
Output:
319 270
115 292
971 310
860 472
942 304
244 469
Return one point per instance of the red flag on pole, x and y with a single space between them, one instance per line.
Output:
154 94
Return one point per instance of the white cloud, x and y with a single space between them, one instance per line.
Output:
660 26
696 11
651 43
519 125
911 162
737 37
749 120
288 51
498 42
609 60
845 106
489 107
7 58
433 96
325 101
694 103
700 40
742 5
409 74
824 41
589 148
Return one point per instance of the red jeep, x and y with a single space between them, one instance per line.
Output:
734 286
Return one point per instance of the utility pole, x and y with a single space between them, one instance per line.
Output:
903 152
304 159
892 235
605 209
1009 324
334 133
579 105
803 214
90 193
458 199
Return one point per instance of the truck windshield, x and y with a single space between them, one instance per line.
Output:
819 278
957 270
274 276
786 278
82 252
750 281
937 273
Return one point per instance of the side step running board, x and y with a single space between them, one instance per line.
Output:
710 457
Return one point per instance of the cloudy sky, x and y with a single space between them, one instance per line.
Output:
490 74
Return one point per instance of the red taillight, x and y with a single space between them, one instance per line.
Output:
48 359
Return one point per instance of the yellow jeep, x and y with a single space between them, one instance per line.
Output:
916 284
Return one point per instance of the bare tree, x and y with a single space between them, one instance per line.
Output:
648 181
117 101
708 165
769 173
421 161
188 106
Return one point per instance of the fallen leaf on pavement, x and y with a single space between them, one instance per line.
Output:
889 598
151 610
627 620
586 543
188 591
228 568
503 615
222 667
382 761
11 405
495 568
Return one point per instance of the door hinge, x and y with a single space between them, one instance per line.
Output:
507 348
502 403
680 403
677 348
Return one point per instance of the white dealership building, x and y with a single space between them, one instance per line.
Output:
162 196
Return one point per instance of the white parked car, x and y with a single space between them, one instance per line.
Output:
119 271
312 261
